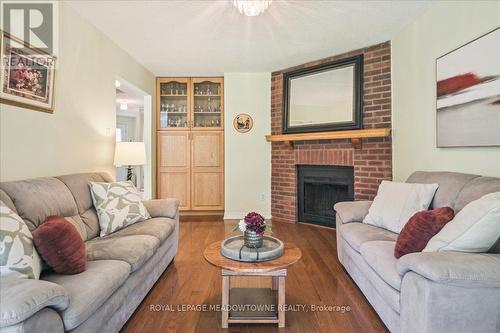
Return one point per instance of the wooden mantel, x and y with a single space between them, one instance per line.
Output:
355 135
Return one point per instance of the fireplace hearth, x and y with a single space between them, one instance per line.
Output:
319 187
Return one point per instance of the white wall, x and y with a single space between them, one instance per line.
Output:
80 135
442 28
247 155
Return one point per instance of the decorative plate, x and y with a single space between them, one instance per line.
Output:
243 123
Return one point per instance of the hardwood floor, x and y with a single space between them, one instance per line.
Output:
317 279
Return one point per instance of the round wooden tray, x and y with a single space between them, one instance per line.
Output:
214 256
233 248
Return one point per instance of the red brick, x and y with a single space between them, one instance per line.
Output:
372 164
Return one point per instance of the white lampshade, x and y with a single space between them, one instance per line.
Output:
130 153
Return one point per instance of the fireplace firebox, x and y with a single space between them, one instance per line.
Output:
319 187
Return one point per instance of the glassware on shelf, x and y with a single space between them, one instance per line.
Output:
163 119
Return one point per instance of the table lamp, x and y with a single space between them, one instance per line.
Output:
129 154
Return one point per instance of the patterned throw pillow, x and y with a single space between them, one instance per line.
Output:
18 256
118 205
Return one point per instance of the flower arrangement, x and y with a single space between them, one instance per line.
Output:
252 222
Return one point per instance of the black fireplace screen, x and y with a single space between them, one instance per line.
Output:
319 187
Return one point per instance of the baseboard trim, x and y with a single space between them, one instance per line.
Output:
201 212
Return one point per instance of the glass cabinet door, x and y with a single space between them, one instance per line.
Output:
174 108
207 103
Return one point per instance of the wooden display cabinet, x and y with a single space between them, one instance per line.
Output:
190 142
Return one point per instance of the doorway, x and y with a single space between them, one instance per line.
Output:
133 124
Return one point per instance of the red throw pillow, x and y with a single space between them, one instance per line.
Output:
60 245
420 228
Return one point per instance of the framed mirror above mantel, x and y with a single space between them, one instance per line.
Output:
326 97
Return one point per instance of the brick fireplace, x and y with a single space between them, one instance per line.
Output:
372 163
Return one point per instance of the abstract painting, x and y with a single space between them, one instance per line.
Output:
468 94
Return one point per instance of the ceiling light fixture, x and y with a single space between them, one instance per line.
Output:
123 106
117 84
251 7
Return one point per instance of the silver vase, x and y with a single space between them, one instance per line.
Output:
252 239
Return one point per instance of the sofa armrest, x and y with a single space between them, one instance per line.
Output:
454 268
22 298
44 321
433 307
162 207
352 211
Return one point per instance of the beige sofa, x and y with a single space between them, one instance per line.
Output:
424 292
121 269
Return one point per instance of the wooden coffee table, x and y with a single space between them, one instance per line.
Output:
276 268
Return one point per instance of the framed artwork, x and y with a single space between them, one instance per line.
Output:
468 94
27 78
243 123
326 97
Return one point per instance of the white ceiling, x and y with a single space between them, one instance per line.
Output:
211 37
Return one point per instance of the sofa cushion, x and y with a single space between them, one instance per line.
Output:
475 189
7 201
379 255
135 250
21 298
355 234
78 184
36 199
91 222
87 291
450 185
159 227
